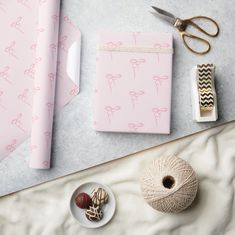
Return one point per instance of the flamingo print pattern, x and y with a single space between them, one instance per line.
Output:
69 22
10 50
17 122
12 146
62 43
30 71
74 91
17 24
4 74
24 97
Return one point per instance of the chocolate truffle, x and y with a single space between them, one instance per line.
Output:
83 200
99 196
94 213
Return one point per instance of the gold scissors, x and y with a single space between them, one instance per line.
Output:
182 25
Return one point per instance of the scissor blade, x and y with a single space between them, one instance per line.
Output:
165 15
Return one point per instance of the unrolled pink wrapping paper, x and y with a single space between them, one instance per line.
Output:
44 84
19 69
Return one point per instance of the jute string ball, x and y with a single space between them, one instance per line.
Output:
169 184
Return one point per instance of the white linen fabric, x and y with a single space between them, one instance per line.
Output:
44 209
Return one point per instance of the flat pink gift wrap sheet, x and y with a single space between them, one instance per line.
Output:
133 88
20 29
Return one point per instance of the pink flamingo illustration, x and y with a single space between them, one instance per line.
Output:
47 135
17 122
74 91
135 35
134 96
62 43
111 46
17 24
31 70
134 127
111 79
24 97
135 63
10 50
24 3
160 46
52 77
69 22
157 113
49 106
12 146
158 80
110 111
53 47
1 105
4 74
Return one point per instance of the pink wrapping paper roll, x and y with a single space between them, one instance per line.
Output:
44 84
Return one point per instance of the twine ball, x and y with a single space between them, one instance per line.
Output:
169 184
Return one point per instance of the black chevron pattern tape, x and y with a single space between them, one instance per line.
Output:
206 95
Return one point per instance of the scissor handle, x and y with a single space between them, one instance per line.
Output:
184 35
191 22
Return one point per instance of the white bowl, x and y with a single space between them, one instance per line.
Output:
79 214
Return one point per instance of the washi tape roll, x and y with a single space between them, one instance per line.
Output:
44 84
205 87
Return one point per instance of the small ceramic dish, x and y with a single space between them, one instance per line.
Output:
79 214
